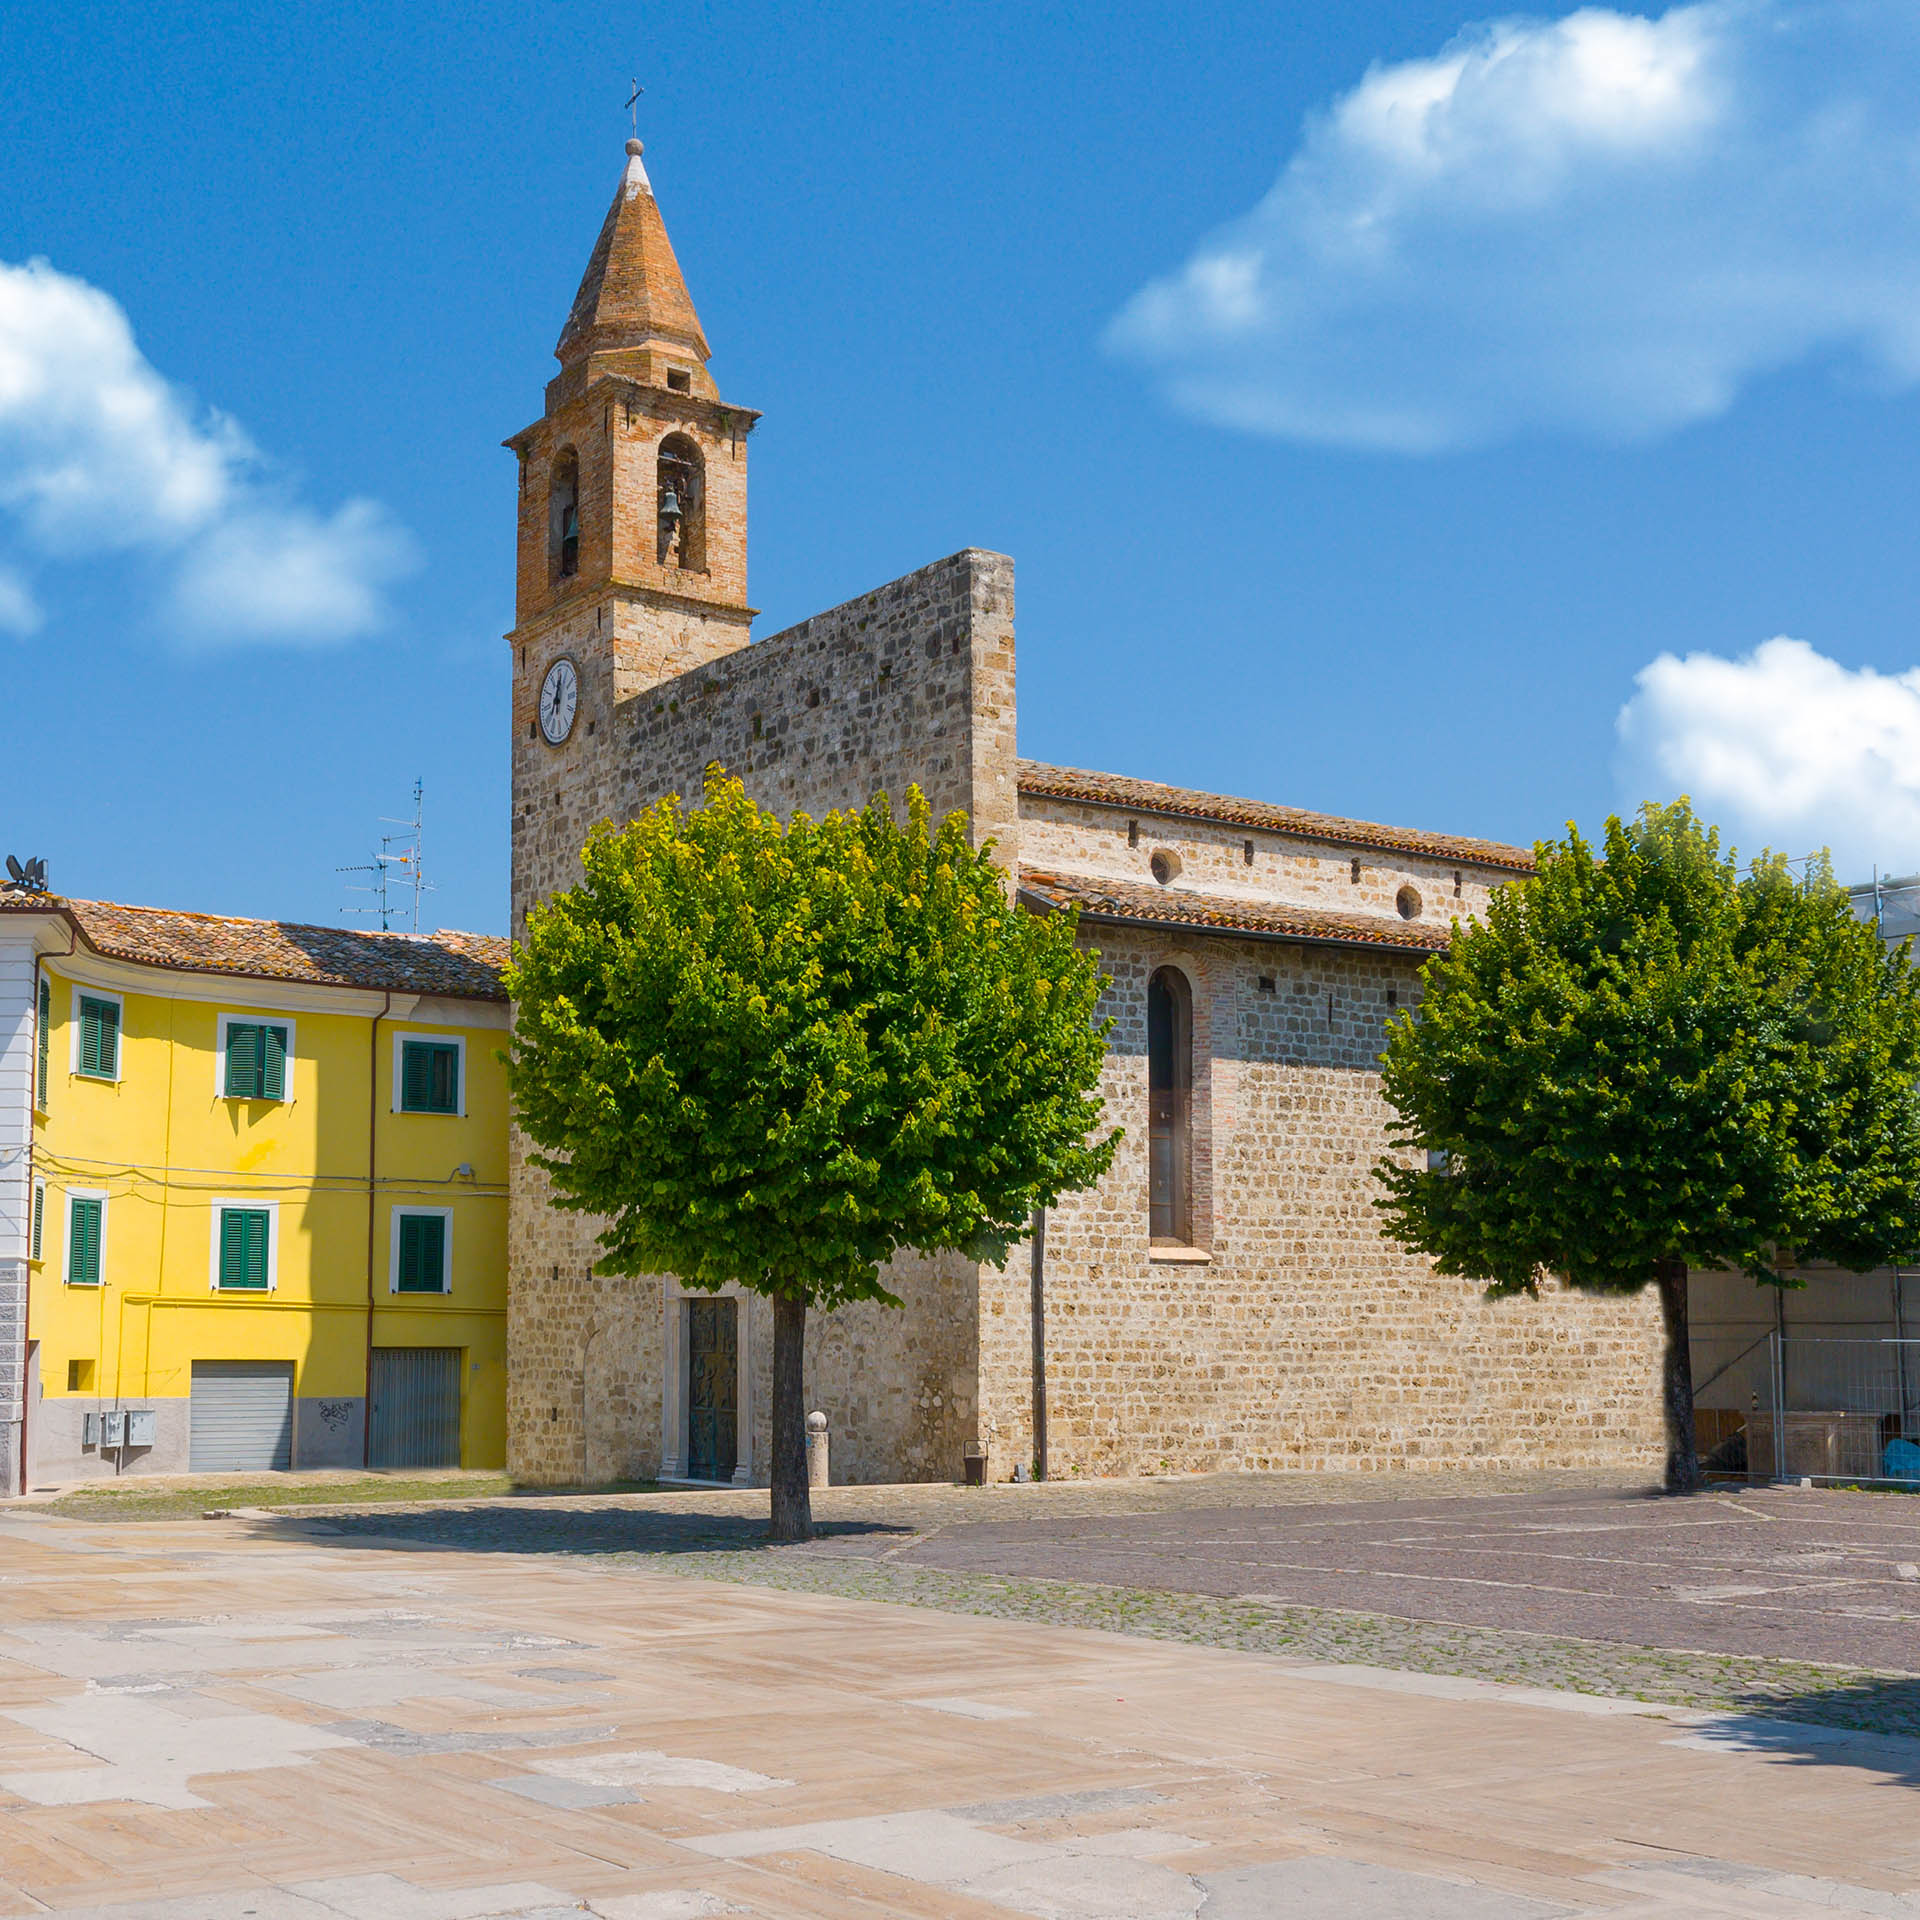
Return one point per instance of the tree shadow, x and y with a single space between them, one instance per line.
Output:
1871 1722
550 1529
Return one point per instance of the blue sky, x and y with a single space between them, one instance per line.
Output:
1376 405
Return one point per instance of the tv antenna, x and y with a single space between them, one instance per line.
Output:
395 876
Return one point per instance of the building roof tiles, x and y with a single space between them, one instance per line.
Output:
461 966
1134 903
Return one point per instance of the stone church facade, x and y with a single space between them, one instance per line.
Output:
1223 1299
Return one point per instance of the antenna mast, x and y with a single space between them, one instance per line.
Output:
396 870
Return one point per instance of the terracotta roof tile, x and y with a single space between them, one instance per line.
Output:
460 966
1149 796
1137 904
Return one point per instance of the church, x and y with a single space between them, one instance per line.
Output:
1224 1298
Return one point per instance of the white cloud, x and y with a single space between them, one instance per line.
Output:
19 611
99 451
1784 748
286 574
1604 224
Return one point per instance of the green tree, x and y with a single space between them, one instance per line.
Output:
1643 1062
777 1055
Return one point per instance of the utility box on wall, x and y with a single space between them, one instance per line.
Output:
142 1424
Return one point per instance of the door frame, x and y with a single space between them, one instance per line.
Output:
673 1397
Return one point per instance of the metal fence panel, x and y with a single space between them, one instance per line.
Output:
1847 1410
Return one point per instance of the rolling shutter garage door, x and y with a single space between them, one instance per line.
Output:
241 1416
416 1407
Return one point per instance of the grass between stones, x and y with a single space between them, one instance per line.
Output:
150 1500
1786 1690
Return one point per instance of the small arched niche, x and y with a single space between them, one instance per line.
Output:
1409 903
563 516
1170 1108
681 491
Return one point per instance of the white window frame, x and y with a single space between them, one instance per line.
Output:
220 1026
37 1249
73 1040
400 1039
271 1208
446 1246
66 1251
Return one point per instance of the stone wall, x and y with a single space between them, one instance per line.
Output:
1292 1334
912 683
1065 836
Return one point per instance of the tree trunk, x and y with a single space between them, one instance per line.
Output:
1683 1457
792 1507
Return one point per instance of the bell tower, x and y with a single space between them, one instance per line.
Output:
632 555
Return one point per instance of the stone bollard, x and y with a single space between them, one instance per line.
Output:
817 1450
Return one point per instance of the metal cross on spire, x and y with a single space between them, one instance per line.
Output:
633 104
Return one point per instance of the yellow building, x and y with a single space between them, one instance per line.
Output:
263 1189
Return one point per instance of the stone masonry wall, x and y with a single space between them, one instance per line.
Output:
912 683
1064 836
1302 1338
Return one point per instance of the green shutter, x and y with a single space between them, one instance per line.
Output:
423 1253
256 1062
429 1077
243 1061
83 1242
273 1063
39 1219
243 1248
99 1038
45 1024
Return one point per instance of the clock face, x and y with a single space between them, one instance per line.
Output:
559 698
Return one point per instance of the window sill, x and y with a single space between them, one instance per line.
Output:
1179 1256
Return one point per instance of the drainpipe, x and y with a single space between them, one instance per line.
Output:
1038 1309
373 1170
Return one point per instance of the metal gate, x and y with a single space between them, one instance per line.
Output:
416 1407
240 1416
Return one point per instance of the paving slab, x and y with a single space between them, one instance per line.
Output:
296 1725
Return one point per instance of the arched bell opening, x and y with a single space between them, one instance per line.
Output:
681 490
563 516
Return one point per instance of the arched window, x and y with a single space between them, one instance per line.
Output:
682 494
1170 1107
563 516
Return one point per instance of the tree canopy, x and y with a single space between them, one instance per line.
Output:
1643 1060
775 1055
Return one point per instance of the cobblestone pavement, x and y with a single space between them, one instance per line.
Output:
296 1719
1804 1603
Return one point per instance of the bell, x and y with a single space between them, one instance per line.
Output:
670 505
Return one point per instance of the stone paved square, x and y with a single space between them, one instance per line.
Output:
362 1714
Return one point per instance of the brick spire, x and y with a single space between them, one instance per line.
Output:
632 300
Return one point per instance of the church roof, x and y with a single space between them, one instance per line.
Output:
460 966
1133 903
1149 796
632 291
